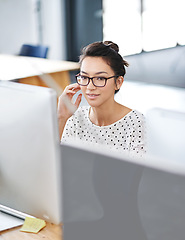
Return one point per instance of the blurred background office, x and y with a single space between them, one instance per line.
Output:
150 33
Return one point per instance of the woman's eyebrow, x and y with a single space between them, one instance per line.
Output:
95 73
83 72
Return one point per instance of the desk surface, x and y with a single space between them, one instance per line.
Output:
16 67
50 232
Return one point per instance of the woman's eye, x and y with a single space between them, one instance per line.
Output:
84 77
100 78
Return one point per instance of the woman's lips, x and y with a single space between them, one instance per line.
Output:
92 96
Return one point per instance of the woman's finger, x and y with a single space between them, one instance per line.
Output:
73 86
78 100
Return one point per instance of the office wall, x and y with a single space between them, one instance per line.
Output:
19 24
166 67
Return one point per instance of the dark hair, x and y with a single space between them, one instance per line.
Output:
109 51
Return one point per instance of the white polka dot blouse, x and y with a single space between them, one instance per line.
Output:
127 134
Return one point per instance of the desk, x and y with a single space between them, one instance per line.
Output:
28 69
50 232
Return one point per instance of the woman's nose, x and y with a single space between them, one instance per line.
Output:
91 85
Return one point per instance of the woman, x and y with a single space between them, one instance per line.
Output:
104 121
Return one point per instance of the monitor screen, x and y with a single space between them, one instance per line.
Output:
29 150
109 196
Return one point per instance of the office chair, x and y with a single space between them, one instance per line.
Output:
34 51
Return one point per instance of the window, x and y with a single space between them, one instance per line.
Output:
122 24
180 14
144 24
159 24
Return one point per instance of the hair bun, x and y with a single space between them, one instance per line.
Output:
112 45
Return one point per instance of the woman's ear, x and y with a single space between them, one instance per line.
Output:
119 82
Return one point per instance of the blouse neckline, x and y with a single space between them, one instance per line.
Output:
110 125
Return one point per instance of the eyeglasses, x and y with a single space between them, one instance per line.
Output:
96 81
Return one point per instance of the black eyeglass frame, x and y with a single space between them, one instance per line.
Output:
76 76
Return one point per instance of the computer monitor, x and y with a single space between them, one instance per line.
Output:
29 151
109 196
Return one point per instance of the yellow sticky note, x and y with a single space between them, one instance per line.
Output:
33 225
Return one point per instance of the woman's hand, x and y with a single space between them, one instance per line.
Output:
64 112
